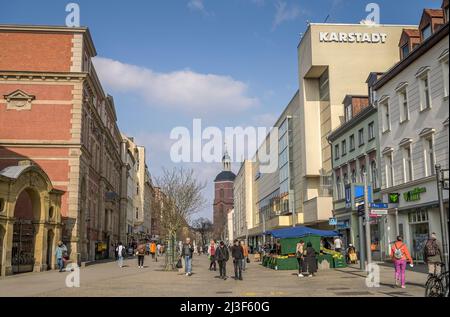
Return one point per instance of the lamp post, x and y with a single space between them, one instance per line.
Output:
367 213
443 217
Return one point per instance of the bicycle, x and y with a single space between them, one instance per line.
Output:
437 284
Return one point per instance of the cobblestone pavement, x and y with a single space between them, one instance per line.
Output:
107 279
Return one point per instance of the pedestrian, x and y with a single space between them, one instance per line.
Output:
245 260
309 260
116 254
352 257
60 253
212 255
400 255
158 249
140 252
222 256
299 250
153 250
187 252
121 253
337 244
147 247
432 255
237 253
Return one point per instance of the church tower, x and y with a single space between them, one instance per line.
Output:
223 197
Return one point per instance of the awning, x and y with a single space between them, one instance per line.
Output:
299 232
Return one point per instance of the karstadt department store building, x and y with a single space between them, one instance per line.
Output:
333 60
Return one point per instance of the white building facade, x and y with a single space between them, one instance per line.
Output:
413 111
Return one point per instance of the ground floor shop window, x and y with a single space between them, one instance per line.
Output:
419 232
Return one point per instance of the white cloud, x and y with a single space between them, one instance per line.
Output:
183 90
284 13
198 5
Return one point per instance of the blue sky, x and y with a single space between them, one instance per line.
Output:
228 62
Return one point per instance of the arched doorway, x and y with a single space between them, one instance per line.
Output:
26 213
50 251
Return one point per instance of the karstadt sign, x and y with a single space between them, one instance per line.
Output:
343 37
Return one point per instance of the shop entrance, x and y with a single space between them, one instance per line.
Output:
419 232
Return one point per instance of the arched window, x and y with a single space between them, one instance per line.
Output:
353 176
338 188
362 171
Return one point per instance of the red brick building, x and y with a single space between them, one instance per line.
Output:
223 198
54 112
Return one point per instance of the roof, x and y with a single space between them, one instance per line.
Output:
299 232
225 176
412 32
435 13
14 171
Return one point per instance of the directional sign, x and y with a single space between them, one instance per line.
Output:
379 205
379 212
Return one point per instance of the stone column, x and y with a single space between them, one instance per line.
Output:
7 251
40 247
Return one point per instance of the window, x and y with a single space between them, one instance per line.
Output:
336 152
345 179
344 147
221 194
324 89
361 137
405 50
362 172
348 112
373 172
386 121
429 156
425 97
371 131
137 213
426 32
353 176
445 74
338 188
389 170
352 142
407 164
403 104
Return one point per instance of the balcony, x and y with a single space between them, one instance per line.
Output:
317 209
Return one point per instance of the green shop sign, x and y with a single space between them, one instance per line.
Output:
414 194
394 198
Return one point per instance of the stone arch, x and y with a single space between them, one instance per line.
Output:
29 197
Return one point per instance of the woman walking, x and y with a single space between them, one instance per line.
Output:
309 260
299 253
400 255
212 255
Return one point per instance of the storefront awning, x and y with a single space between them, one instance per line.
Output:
298 232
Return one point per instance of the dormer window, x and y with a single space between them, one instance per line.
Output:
405 50
426 32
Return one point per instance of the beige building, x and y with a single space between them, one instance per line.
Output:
243 200
334 60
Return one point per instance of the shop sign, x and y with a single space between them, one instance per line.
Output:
414 195
353 37
343 224
332 221
394 198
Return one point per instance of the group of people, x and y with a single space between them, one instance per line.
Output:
307 259
140 250
220 253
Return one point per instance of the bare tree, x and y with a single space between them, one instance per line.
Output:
180 199
204 227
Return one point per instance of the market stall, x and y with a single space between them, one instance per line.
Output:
289 238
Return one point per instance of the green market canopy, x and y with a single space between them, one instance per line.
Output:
300 232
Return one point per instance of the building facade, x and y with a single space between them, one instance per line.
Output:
223 198
355 147
243 200
413 111
54 112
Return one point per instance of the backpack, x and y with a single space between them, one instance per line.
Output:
431 248
398 253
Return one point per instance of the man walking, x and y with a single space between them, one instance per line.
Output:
237 253
153 251
337 244
187 252
222 256
432 255
140 254
60 252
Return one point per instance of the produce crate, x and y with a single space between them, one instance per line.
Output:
339 263
287 264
